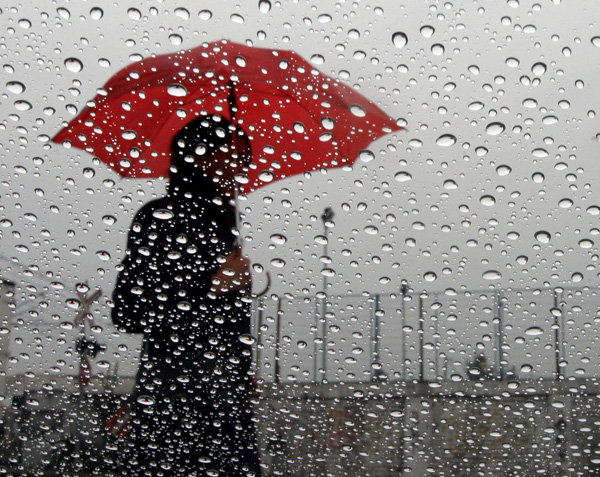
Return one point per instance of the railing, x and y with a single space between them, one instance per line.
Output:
429 336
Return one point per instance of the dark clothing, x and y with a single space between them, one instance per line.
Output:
192 412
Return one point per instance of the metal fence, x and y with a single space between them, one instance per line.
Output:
424 336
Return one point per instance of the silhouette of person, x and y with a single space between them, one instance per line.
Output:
182 284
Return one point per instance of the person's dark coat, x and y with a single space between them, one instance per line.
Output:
192 409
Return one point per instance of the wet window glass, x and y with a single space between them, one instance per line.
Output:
299 238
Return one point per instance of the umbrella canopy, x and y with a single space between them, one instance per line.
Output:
296 118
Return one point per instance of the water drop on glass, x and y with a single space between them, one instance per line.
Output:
446 140
278 239
15 87
399 39
74 65
177 90
538 69
534 331
539 152
543 237
494 129
487 200
145 400
358 110
163 214
427 31
492 275
402 176
264 6
438 49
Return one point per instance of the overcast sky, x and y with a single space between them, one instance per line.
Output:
494 182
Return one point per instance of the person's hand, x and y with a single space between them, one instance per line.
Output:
233 274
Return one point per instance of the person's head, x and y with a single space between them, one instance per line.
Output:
209 148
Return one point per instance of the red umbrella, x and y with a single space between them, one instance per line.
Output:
297 118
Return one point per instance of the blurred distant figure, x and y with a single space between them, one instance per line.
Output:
181 283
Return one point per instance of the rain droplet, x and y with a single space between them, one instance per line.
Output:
205 14
503 170
328 123
522 260
278 262
474 69
182 13
184 306
63 12
492 275
134 14
74 65
399 39
481 151
530 103
129 135
543 237
109 219
163 214
526 368
324 18
538 177
512 62
446 140
236 18
177 90
430 276
247 339
366 156
538 69
476 106
371 230
539 152
146 400
103 255
264 6
449 184
488 200
438 49
415 143
242 178
15 87
24 23
266 176
596 41
493 129
534 331
586 243
328 272
96 13
548 120
23 105
279 239
302 344
427 31
317 59
565 203
175 39
593 210
403 176
299 127
418 226
358 110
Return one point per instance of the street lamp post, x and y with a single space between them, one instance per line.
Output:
326 217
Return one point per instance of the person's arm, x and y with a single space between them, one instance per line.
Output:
233 275
130 296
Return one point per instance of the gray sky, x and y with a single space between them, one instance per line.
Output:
514 84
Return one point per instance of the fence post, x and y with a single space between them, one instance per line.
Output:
421 340
278 342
